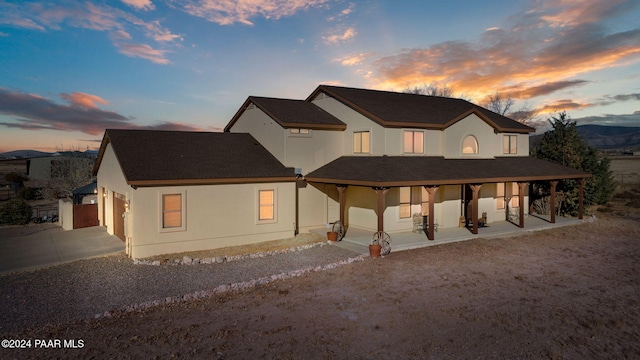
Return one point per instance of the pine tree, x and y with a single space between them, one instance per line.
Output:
564 145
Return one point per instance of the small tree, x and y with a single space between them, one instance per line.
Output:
564 145
15 212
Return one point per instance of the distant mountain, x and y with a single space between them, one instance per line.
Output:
23 154
611 137
604 137
27 154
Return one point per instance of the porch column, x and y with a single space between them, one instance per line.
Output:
581 198
474 207
342 196
381 191
552 201
521 187
431 190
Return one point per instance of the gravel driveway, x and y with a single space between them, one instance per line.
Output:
86 288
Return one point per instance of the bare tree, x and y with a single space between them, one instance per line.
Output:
499 103
432 89
503 104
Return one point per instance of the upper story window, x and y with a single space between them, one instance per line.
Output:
470 145
299 131
361 142
413 142
510 144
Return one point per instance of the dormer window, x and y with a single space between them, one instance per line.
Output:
470 145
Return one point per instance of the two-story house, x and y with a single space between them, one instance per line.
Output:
372 159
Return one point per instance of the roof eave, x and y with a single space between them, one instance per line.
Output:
214 181
371 183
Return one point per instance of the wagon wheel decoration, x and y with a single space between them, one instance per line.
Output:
338 228
384 240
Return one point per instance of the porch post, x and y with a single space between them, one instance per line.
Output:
431 190
552 201
521 187
474 207
342 196
581 199
381 191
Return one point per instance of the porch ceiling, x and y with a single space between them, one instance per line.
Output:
389 171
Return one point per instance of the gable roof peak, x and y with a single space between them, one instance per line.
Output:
395 109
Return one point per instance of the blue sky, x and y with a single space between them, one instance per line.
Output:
71 68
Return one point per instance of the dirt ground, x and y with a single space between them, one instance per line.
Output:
567 293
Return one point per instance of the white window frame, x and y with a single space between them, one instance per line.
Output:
510 144
357 134
183 211
258 205
413 142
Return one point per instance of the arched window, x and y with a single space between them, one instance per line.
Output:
470 145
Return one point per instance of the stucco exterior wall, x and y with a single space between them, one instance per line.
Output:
111 178
454 135
268 132
215 216
355 122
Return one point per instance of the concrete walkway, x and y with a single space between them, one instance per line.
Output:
55 246
358 240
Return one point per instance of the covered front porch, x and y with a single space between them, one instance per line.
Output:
358 240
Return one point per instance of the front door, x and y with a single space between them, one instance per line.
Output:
119 205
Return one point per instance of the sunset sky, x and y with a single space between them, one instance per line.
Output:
69 69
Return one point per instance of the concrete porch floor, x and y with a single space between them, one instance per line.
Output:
358 240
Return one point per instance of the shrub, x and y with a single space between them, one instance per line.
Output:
15 212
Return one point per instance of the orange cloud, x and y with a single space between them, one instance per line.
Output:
34 112
522 57
84 100
121 40
340 37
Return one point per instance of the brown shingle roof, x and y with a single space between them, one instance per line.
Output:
436 170
150 157
392 109
291 114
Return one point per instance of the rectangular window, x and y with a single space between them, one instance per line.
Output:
299 131
500 195
266 205
413 142
405 202
361 142
510 144
424 201
515 199
171 211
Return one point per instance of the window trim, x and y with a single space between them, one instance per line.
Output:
413 142
274 205
183 211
